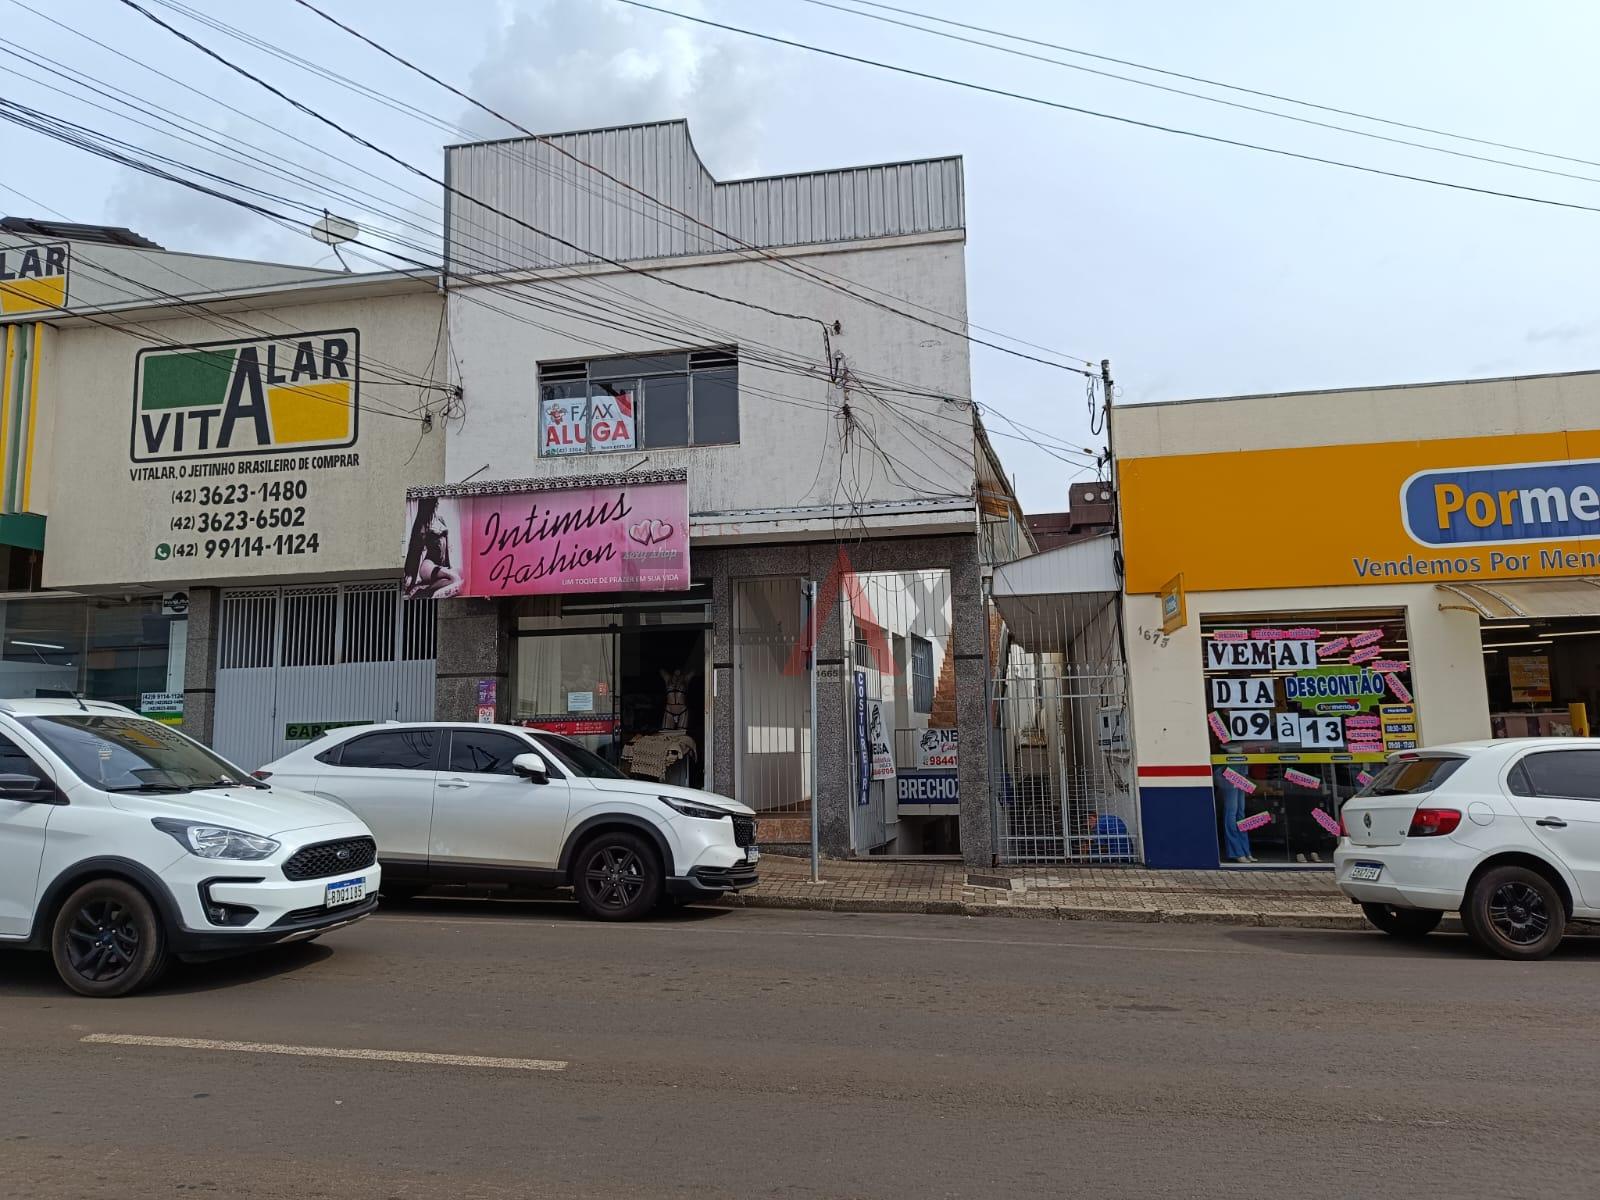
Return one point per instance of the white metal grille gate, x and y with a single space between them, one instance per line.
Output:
1061 766
314 654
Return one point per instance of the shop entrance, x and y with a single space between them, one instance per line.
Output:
624 676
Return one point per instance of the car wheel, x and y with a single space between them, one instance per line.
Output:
617 877
1515 913
108 939
1404 923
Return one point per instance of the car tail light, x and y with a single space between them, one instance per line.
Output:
260 774
1434 822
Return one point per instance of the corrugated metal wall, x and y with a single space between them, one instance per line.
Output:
538 184
330 652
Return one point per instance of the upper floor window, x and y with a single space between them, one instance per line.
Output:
645 402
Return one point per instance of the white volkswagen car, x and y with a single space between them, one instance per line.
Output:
507 806
1507 832
123 842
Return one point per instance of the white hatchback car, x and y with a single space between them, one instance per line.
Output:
508 806
123 842
1507 832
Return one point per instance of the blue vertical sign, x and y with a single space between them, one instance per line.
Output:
863 752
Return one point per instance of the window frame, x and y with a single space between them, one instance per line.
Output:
450 755
635 381
1535 792
916 642
431 730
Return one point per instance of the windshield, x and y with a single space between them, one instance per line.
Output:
578 760
131 754
1410 775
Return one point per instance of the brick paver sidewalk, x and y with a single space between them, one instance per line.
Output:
1242 897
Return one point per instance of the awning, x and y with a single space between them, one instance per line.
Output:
1576 597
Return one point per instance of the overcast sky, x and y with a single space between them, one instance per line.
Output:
1198 269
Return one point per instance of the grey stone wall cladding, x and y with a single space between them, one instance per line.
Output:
475 641
200 665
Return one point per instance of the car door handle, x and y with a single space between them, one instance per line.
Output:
454 783
1551 823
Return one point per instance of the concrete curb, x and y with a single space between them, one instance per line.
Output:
1058 912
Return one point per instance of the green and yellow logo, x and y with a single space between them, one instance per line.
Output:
33 278
216 399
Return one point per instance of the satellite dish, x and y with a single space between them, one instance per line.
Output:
335 230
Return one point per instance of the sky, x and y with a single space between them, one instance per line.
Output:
1198 269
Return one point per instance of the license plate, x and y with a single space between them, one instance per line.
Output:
346 891
751 854
1366 871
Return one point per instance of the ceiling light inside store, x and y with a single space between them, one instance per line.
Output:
1572 633
1507 645
37 645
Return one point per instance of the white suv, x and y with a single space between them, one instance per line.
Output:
123 842
503 805
1508 832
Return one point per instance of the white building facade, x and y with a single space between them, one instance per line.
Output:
783 364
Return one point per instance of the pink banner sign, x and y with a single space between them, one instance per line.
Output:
1255 822
621 537
1326 821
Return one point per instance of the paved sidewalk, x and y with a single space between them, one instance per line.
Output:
1238 897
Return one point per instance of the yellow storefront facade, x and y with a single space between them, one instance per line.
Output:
1362 572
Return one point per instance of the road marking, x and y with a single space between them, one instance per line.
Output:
1124 947
400 1056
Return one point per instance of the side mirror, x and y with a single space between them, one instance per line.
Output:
530 766
21 787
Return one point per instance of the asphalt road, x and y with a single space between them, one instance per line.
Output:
761 1053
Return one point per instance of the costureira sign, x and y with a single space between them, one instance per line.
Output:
618 536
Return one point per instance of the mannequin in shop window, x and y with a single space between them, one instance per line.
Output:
1235 841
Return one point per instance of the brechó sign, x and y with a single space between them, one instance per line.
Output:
615 534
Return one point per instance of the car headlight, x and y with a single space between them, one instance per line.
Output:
216 841
692 810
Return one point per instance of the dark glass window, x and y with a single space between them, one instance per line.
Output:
14 760
481 752
666 412
397 750
716 407
921 674
647 402
1412 775
1565 774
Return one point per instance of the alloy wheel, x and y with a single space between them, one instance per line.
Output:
614 877
103 940
1518 914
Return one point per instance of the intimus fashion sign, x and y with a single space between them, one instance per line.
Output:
299 391
617 534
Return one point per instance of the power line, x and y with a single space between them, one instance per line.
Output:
1106 116
819 277
450 189
1177 91
1232 87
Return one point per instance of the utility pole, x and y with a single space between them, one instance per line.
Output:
811 672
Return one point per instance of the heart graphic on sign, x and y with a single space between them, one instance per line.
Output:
651 531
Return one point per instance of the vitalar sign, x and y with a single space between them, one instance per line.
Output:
220 399
33 278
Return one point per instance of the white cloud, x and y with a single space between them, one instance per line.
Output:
561 65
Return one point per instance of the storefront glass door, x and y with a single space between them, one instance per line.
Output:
1301 707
